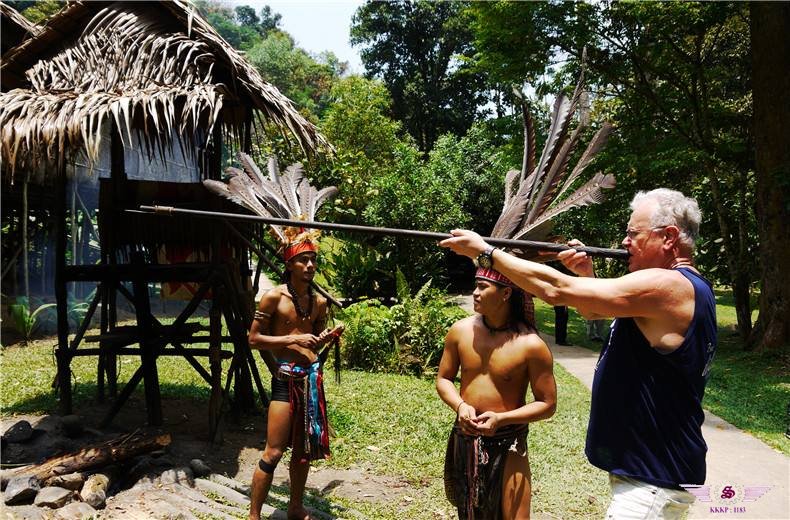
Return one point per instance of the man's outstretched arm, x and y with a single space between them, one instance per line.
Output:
646 293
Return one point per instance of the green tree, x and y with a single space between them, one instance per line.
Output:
246 17
675 79
37 11
269 20
237 33
420 50
365 139
770 25
681 76
410 196
305 79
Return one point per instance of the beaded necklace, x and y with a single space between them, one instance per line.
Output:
302 313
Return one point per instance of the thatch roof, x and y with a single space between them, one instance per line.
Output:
13 27
154 67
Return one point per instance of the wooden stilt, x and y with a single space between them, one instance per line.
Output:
153 402
61 295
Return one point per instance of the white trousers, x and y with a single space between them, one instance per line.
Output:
636 500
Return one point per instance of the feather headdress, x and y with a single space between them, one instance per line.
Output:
534 194
288 195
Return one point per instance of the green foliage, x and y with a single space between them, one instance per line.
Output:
365 137
420 51
420 323
407 337
513 39
474 168
223 19
27 316
37 11
305 79
367 340
410 196
355 270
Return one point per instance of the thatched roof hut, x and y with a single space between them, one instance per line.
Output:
134 102
156 67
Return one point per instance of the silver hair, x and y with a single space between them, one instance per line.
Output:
673 209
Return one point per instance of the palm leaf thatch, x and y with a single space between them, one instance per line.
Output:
288 195
534 196
154 67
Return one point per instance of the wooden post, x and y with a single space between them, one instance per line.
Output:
142 306
215 364
61 295
110 199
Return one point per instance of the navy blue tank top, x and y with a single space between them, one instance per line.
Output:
646 413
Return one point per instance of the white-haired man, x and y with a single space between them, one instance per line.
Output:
646 416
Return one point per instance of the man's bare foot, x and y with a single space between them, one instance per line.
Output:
298 513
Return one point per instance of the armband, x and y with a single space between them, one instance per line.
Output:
260 315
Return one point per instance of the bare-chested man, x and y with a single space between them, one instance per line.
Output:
290 322
500 354
646 413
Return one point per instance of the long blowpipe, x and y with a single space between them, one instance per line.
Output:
620 254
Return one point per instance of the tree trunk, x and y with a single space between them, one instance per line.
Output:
770 25
734 251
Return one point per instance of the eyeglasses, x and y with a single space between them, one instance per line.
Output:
633 233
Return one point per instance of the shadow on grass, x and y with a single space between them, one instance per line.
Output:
185 415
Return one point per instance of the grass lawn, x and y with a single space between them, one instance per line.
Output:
750 390
397 426
394 425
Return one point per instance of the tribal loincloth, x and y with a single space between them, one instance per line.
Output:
308 408
474 467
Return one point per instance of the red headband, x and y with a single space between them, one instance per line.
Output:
298 248
494 276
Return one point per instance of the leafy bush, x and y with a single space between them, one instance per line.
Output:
420 325
407 337
26 319
355 269
367 340
411 196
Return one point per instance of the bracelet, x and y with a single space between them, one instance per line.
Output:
459 406
260 315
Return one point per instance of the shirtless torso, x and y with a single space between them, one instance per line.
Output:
497 367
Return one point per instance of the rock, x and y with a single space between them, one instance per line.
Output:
53 497
94 491
229 496
19 432
199 468
52 424
21 489
29 512
75 511
182 475
72 426
73 481
233 484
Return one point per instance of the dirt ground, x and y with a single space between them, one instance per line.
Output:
234 454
